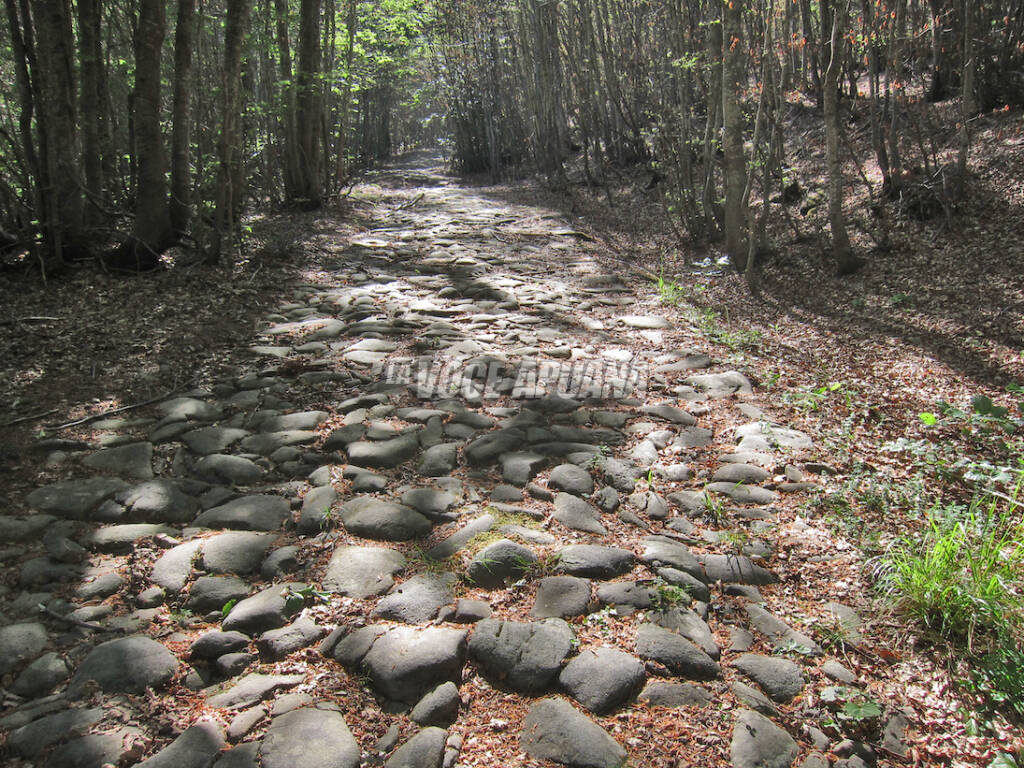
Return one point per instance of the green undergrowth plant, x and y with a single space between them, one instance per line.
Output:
961 579
418 561
854 712
997 677
670 292
810 399
665 596
716 328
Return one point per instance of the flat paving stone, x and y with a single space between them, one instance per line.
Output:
594 561
373 518
263 512
363 572
561 597
75 499
125 665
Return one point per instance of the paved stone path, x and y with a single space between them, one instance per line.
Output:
459 470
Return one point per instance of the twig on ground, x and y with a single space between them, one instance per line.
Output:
113 411
18 320
31 417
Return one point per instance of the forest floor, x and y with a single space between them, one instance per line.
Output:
741 524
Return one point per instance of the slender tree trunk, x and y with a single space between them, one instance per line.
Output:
57 120
21 41
732 133
292 179
181 127
229 149
152 232
345 105
846 261
308 192
90 107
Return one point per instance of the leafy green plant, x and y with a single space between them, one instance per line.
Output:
296 599
855 712
670 292
715 512
813 398
227 608
710 323
962 577
665 595
329 520
998 678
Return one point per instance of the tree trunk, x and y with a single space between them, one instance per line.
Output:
345 105
732 133
229 143
90 109
152 233
308 192
20 42
292 181
57 121
181 117
846 261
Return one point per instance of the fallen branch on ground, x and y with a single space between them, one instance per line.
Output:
112 412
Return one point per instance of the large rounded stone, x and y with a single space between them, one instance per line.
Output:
757 742
374 518
681 656
417 600
660 551
781 679
132 460
500 563
19 643
362 572
561 597
125 665
196 747
554 730
261 512
525 656
212 593
602 679
595 562
158 501
225 469
440 707
404 663
383 454
573 512
309 737
571 479
238 552
268 609
424 750
75 499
